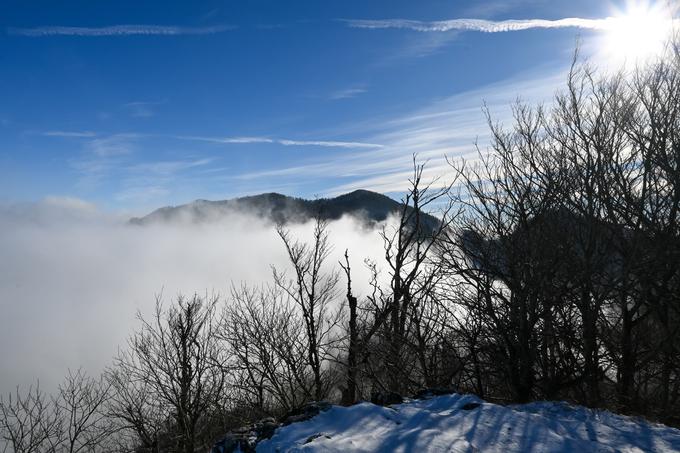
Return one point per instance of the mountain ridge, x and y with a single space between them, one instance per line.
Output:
370 207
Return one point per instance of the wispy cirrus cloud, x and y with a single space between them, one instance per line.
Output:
284 142
449 127
112 145
70 134
142 109
101 156
138 179
120 143
152 181
481 25
227 140
347 93
329 144
119 30
167 167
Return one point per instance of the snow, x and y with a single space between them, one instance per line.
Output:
440 424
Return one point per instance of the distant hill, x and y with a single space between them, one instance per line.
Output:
369 206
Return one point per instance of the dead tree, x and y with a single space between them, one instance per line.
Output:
353 341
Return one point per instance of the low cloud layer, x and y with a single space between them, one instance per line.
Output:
72 278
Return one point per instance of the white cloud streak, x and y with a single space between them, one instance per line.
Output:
481 25
227 140
69 134
448 127
347 93
330 144
141 109
283 141
119 30
113 145
168 168
114 160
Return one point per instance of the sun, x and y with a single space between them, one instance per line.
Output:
640 32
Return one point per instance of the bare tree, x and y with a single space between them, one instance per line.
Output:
504 255
177 357
312 289
80 405
28 422
350 395
266 334
565 258
72 421
140 418
395 334
649 208
408 251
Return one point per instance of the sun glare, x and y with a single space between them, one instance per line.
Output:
639 32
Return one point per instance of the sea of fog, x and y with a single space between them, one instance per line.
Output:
73 278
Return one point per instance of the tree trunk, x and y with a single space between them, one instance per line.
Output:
590 353
627 364
351 395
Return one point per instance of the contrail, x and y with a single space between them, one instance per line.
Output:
330 144
119 30
283 141
486 26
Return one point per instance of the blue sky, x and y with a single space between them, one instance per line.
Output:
133 105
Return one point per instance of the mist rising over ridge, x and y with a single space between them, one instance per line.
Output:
370 207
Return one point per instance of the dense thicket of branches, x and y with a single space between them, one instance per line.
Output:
557 275
74 420
565 258
554 274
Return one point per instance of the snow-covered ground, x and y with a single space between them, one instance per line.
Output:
440 424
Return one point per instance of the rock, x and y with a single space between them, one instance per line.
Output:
433 391
386 398
240 440
306 412
470 406
246 439
265 428
313 437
